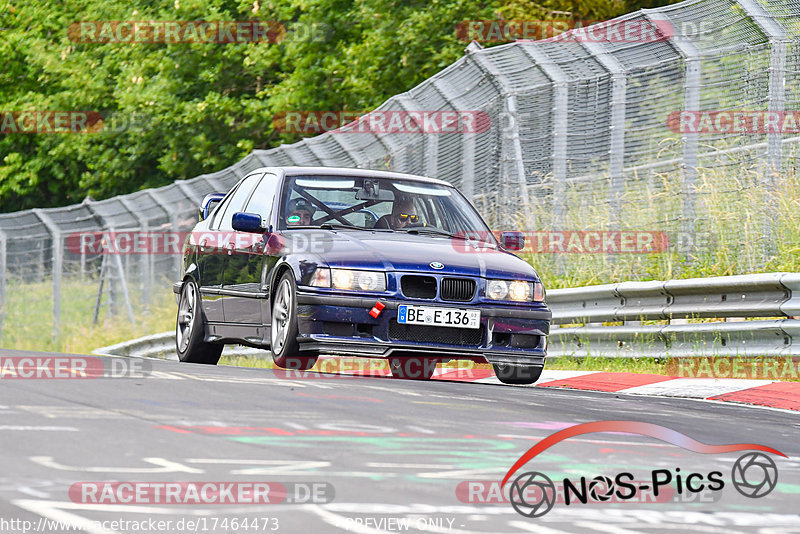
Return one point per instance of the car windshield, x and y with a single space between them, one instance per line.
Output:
387 204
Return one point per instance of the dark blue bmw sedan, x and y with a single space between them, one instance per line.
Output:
348 262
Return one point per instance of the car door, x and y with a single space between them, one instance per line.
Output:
210 262
242 281
214 249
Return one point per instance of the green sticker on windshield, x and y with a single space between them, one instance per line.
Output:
293 219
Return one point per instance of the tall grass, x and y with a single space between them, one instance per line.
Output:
742 225
28 321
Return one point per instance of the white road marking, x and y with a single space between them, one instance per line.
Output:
421 430
33 492
344 523
406 466
165 375
257 380
594 441
462 474
536 526
277 467
697 388
166 466
42 428
46 509
600 527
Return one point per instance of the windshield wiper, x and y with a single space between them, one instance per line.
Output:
434 231
338 226
444 233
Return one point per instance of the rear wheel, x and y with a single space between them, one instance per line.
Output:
283 329
190 329
517 374
412 368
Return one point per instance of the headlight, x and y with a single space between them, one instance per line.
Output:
348 279
321 277
497 289
342 279
515 290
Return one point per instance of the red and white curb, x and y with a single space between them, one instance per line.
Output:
768 393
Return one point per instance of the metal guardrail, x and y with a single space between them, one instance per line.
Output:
669 305
775 297
162 346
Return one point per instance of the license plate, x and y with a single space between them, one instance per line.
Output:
453 317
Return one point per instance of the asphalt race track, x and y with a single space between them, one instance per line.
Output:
390 455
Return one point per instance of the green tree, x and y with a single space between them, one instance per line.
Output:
202 107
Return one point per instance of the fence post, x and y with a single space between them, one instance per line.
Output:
777 74
515 156
560 126
468 145
409 105
776 102
3 265
691 100
173 219
58 261
124 287
616 157
431 155
147 261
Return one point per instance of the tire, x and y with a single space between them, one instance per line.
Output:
283 328
412 368
517 374
190 329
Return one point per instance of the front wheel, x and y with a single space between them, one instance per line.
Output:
190 329
283 329
517 374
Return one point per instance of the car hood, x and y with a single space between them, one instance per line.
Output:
407 252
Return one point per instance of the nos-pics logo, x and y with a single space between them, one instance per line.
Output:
533 494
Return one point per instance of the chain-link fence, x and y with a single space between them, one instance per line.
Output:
584 135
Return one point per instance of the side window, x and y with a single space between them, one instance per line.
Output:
261 201
236 203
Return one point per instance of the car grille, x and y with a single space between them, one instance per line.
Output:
436 334
418 287
457 289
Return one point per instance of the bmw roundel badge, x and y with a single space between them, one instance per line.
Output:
436 265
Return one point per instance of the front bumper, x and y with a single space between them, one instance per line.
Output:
342 325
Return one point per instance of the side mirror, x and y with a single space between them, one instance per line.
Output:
512 240
247 222
209 203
